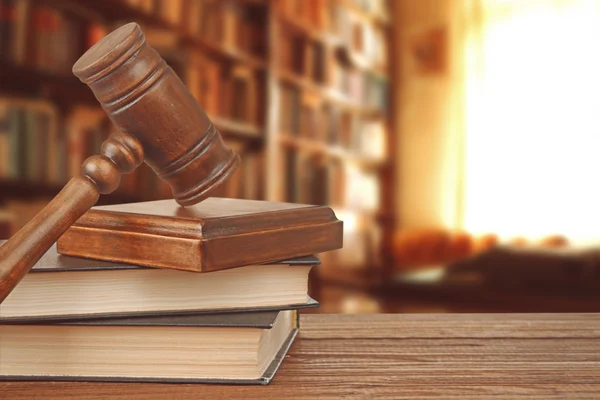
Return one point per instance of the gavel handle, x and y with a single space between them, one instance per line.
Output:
27 246
121 153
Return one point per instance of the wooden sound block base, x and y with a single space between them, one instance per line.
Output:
212 235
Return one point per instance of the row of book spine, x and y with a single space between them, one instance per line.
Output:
354 32
363 88
39 36
362 38
313 179
38 145
228 23
305 115
50 40
226 91
305 58
248 181
29 143
302 56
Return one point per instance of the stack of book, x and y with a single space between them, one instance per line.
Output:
84 319
72 318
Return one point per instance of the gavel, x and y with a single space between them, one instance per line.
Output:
159 122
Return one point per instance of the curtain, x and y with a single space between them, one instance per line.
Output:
532 118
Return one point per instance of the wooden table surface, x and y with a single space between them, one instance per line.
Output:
533 356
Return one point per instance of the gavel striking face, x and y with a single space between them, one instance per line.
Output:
159 122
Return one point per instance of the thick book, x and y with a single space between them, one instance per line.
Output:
212 235
63 288
238 348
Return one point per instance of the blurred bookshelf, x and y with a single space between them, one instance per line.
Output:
299 88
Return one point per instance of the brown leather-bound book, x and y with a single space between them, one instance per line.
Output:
213 235
66 288
251 346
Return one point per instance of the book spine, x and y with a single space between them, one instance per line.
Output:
7 21
4 143
20 31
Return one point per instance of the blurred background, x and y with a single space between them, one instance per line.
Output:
456 139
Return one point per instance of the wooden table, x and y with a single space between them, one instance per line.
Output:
533 356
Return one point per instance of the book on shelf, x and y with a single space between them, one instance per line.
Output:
309 119
203 78
359 87
247 182
29 141
170 11
7 224
252 172
320 184
331 124
244 95
336 182
209 87
238 94
292 52
289 104
344 138
20 12
229 24
251 347
146 6
231 15
39 36
235 186
309 12
313 184
314 179
84 130
291 178
7 21
304 176
193 17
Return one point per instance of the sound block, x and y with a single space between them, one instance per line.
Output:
212 235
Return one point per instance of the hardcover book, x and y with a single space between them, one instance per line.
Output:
60 287
251 346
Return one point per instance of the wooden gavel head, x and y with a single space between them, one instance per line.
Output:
145 99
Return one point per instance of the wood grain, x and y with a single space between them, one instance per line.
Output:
212 235
527 356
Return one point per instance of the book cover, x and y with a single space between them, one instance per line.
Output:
263 321
67 288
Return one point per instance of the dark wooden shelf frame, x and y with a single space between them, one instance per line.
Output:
24 189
